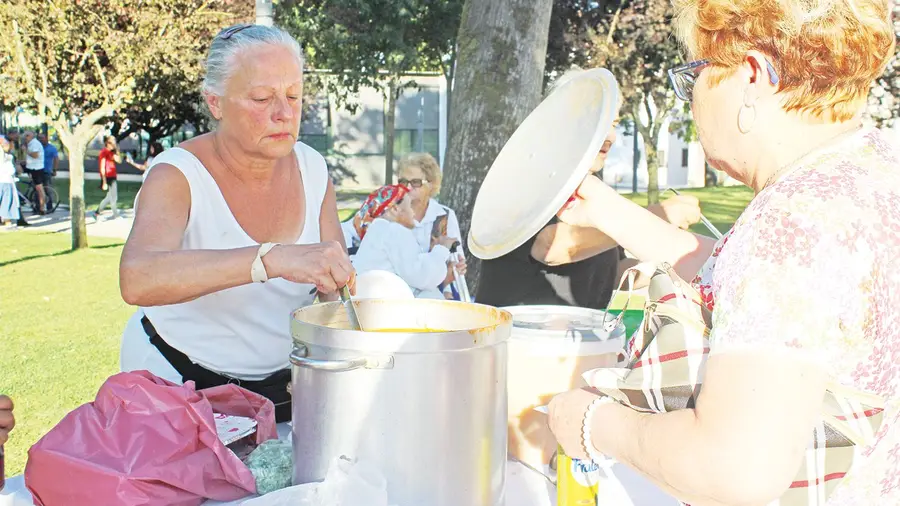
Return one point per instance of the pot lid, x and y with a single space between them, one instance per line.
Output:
543 163
564 322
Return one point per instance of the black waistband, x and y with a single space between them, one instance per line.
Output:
273 387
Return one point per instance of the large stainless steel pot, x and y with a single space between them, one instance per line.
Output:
428 409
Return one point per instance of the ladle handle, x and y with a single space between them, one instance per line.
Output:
299 357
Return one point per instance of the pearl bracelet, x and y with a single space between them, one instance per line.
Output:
586 429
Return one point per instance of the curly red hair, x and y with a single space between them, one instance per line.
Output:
827 52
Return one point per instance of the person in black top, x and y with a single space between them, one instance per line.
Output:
567 265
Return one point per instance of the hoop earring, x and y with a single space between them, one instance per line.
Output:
745 124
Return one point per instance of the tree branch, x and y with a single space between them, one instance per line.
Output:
39 97
102 74
615 21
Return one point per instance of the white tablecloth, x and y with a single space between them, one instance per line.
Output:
524 487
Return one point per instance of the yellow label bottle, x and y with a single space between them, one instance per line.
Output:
577 481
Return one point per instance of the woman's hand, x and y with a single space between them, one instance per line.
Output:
325 265
449 277
566 418
461 268
680 210
7 421
445 241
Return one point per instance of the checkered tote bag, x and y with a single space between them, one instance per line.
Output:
665 358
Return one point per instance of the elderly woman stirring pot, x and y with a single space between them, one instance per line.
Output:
234 229
804 289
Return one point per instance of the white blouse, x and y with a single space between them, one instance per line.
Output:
391 247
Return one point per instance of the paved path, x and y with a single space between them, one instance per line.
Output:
106 226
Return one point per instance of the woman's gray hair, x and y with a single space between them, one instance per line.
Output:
233 40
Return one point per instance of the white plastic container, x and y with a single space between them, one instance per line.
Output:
549 348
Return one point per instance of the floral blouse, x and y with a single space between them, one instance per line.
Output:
813 265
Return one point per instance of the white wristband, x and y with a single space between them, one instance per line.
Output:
258 270
586 429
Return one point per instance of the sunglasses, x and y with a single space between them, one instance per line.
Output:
683 77
414 183
230 32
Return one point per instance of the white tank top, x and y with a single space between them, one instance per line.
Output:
242 331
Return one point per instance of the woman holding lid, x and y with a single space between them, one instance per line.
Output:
234 229
389 243
804 289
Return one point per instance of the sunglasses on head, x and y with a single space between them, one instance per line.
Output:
230 32
414 183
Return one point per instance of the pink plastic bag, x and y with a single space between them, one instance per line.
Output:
146 441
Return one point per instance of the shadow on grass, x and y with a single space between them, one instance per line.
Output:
57 254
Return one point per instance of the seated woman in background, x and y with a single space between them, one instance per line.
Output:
389 243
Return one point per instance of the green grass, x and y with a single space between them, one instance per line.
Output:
61 319
61 316
720 205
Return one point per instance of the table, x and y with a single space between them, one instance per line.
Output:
524 487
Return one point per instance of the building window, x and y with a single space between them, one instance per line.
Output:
407 141
684 157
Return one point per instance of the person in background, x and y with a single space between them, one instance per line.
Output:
389 243
9 197
421 173
107 159
17 150
804 289
7 420
152 152
51 157
34 166
567 265
51 163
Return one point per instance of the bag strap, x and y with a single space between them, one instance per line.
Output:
629 275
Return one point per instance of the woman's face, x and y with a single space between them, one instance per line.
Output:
715 111
600 160
414 176
261 108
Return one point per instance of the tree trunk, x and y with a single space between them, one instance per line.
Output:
635 158
389 121
501 51
76 192
448 75
652 171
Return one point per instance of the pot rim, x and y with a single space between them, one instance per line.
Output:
314 334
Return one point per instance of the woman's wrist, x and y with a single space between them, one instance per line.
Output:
272 261
591 429
598 204
605 426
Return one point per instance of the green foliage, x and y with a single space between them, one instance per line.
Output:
371 43
637 45
573 24
80 63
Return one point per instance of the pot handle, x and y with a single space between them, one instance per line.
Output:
299 357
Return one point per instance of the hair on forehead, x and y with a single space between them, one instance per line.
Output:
234 40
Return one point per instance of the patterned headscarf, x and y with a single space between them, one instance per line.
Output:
376 204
